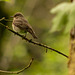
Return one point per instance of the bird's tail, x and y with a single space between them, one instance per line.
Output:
32 33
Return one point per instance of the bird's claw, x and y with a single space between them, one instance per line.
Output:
30 40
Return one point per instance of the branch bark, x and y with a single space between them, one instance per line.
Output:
71 63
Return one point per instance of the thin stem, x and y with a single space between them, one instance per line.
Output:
17 72
5 19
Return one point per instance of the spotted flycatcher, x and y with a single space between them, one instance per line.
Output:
20 24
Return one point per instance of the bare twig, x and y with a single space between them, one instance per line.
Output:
33 42
2 18
17 72
5 19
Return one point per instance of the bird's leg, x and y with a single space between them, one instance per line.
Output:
30 40
25 34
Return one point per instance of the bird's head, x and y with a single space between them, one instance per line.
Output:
18 16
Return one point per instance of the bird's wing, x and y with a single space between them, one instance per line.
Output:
25 22
22 24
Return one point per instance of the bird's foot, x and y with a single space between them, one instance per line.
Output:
30 40
23 37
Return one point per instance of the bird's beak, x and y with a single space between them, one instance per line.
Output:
11 16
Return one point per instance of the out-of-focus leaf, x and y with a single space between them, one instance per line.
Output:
5 0
65 17
61 7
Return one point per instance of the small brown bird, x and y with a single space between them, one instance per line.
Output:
20 24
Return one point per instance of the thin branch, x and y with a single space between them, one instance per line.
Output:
5 19
17 72
8 20
33 42
2 18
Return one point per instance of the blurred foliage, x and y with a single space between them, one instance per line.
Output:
65 15
5 0
15 53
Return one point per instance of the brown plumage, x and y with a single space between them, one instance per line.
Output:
20 24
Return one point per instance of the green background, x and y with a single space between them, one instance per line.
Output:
16 53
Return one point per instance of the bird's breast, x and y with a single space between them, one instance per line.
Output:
15 28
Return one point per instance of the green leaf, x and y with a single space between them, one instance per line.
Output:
65 17
6 0
60 8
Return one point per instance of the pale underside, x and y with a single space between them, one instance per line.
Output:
17 29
